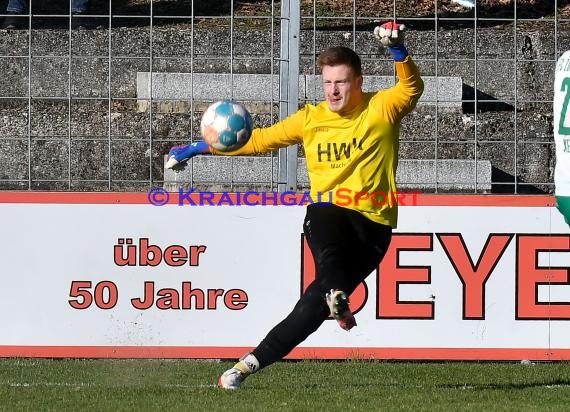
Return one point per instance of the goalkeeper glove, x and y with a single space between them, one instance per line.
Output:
182 153
391 35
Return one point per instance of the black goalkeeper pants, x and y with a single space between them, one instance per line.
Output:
346 247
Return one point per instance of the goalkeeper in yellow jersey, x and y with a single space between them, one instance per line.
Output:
351 143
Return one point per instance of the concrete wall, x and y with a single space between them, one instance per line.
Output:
69 135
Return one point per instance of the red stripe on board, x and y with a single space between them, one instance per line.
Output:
174 198
74 197
216 352
457 354
486 200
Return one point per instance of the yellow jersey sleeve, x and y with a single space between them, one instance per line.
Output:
282 134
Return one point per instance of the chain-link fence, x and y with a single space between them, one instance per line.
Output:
93 101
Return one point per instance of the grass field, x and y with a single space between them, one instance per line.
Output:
186 385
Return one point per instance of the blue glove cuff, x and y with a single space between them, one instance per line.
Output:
398 52
201 147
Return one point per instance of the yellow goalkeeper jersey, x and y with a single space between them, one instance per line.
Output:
351 158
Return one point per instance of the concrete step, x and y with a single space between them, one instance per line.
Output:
173 88
242 173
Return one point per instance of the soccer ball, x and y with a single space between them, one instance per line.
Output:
226 125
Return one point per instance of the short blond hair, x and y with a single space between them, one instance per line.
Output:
337 55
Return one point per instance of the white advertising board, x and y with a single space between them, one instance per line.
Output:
110 275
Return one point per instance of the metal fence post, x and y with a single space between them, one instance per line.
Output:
289 88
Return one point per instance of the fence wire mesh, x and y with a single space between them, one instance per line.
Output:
93 101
